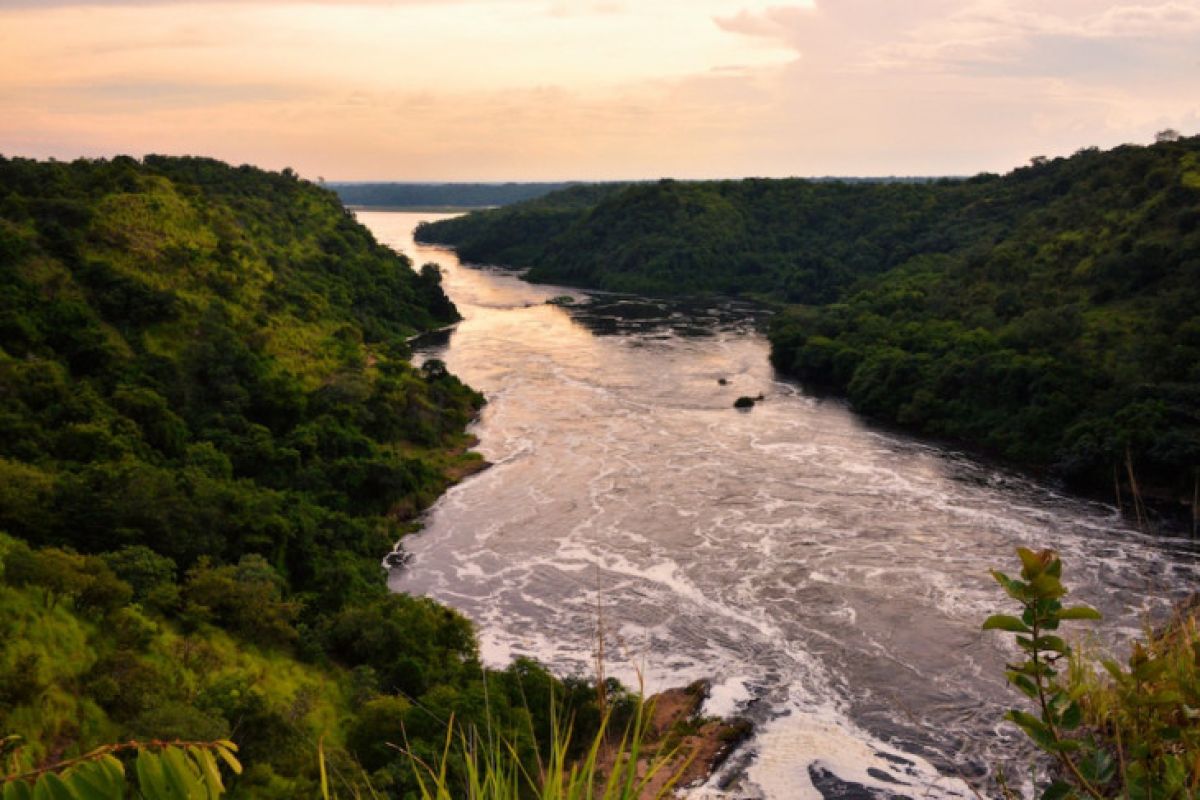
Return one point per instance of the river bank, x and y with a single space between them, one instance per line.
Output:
828 576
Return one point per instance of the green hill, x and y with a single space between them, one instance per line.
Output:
210 435
1049 316
440 195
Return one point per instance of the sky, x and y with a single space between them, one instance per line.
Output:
453 90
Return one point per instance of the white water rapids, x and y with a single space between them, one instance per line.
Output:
829 577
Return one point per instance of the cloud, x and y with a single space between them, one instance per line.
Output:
6 5
503 89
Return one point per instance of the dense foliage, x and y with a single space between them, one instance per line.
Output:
209 436
441 195
1051 315
1113 732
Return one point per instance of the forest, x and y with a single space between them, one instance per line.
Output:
1049 316
210 436
440 195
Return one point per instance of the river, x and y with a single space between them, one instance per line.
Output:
828 576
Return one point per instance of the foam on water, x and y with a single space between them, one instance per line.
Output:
828 578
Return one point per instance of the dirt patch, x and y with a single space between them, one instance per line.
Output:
693 746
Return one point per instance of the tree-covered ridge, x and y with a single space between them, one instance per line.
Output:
1048 315
211 362
440 195
210 435
1069 339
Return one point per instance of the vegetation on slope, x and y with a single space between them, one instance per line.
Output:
441 195
209 436
1051 316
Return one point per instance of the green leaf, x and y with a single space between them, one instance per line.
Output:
208 767
1031 563
113 768
1072 717
151 781
1114 669
228 757
1034 728
1023 683
1054 644
18 790
1047 587
179 775
52 787
93 781
1150 669
1079 612
321 764
1005 622
1097 766
1170 733
1057 791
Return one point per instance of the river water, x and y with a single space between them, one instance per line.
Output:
829 577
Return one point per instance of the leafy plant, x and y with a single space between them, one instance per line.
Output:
1113 732
164 770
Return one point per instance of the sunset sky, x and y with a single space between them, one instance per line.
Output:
596 89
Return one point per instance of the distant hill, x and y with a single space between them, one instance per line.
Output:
1051 315
441 195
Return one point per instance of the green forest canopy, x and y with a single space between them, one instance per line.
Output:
210 434
1050 315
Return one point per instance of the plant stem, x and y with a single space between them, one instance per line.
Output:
1062 757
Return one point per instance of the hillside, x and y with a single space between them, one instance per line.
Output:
1049 316
440 195
210 435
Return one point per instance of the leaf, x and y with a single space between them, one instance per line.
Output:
52 787
1031 564
229 758
1057 791
1079 612
1054 644
1034 728
1047 587
1072 717
1097 766
1114 669
113 768
1023 683
18 790
1005 622
151 781
208 767
1150 669
94 781
321 764
182 775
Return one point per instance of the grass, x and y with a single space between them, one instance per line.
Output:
492 769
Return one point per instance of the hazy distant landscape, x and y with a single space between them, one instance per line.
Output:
440 195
